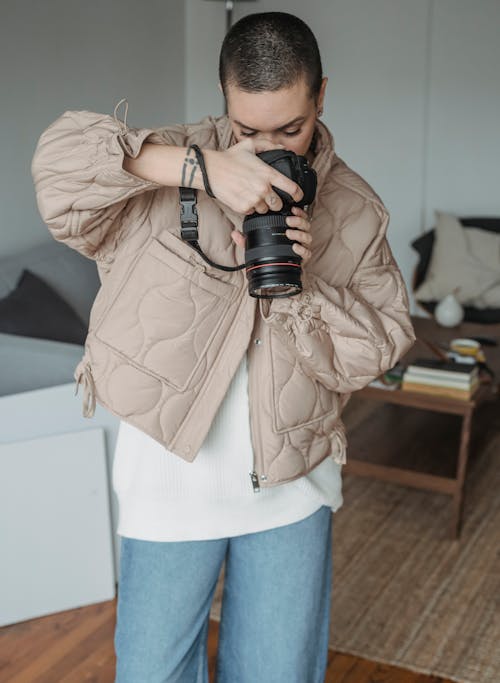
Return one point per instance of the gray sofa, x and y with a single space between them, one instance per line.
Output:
29 363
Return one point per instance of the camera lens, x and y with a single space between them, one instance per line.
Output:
272 266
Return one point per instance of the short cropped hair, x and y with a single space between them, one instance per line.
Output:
268 51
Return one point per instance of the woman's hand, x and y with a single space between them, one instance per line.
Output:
299 231
244 182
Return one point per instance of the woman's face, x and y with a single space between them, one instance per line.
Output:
283 117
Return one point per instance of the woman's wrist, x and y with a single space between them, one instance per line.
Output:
166 164
201 163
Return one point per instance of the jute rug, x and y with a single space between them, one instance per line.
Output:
405 593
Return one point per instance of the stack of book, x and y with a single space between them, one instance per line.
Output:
441 378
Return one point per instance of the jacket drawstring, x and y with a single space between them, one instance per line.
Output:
88 391
123 124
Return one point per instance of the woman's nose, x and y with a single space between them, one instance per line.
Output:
270 139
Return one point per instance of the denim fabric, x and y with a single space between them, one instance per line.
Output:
275 606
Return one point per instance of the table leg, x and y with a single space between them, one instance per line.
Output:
463 456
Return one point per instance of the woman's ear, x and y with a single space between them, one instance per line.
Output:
220 87
321 96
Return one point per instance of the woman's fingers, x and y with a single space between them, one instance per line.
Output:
299 220
286 184
300 223
274 201
270 202
300 232
239 238
261 207
300 235
300 212
299 248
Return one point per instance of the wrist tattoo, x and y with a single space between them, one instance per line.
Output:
189 161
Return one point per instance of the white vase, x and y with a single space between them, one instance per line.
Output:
449 312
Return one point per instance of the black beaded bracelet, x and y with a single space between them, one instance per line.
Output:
201 161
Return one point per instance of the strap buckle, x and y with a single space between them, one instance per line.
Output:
189 214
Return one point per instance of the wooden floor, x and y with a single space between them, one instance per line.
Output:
77 647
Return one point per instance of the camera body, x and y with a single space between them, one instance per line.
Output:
273 269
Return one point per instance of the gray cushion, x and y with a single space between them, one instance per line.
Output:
71 275
34 309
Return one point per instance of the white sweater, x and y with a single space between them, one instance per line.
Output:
165 498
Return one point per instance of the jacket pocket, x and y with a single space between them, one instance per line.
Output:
168 314
298 399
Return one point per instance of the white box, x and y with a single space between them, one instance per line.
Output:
55 525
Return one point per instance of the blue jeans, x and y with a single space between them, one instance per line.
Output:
275 606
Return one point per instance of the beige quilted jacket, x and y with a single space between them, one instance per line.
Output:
167 331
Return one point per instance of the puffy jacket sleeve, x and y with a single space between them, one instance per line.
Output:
81 186
346 336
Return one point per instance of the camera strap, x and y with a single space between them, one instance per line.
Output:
189 225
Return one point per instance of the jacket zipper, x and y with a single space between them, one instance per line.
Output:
255 481
254 477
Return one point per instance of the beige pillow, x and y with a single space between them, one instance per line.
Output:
468 258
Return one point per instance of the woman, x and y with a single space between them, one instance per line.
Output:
231 442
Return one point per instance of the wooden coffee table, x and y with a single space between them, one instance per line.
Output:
384 437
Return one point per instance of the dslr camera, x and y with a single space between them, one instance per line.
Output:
273 268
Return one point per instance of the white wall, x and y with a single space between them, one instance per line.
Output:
65 54
412 100
463 150
413 96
